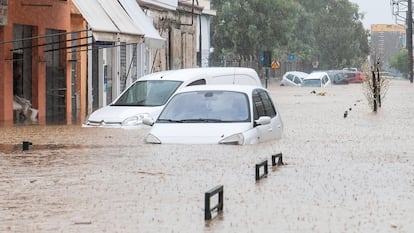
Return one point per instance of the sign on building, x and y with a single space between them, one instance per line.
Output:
3 12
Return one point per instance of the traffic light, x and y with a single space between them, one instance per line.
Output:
267 62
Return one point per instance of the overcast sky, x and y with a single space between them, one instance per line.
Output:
375 11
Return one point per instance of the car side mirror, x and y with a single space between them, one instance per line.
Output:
148 121
263 120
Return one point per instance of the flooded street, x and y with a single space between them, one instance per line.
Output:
353 174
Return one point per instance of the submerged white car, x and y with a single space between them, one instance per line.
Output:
147 96
217 114
293 78
317 79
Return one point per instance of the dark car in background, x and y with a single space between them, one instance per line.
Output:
338 77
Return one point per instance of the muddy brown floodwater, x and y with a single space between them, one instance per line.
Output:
353 174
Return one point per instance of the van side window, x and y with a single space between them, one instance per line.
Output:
198 82
262 105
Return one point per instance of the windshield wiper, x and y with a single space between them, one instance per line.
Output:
193 120
208 120
170 120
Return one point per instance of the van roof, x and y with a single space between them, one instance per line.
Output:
225 87
193 73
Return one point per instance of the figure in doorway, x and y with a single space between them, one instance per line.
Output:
22 106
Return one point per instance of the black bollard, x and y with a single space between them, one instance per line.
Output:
207 205
26 145
265 172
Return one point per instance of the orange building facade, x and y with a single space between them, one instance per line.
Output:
37 65
62 59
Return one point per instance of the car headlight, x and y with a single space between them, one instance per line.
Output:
134 120
152 139
235 139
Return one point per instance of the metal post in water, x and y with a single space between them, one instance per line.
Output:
207 205
374 89
378 84
265 172
279 161
26 145
410 40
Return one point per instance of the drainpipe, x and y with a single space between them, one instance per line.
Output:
117 69
89 87
199 43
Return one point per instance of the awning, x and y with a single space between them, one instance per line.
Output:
109 21
163 4
144 23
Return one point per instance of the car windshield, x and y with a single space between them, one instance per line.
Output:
148 93
207 107
311 83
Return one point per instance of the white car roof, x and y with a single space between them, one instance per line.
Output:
238 88
297 73
316 75
194 73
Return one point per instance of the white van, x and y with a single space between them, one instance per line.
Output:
147 96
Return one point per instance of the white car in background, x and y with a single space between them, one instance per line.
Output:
293 78
148 95
317 79
217 114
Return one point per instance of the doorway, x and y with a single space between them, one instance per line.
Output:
22 69
55 77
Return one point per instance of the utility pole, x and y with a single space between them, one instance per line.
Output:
410 40
400 6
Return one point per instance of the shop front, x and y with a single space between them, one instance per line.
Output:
60 60
121 47
34 68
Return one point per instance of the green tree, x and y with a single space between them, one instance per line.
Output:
340 37
250 27
399 62
327 30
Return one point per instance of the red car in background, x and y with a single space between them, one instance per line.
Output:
355 76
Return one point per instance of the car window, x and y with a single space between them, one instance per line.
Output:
197 82
290 77
148 93
311 83
262 105
207 107
297 80
324 79
339 76
350 75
